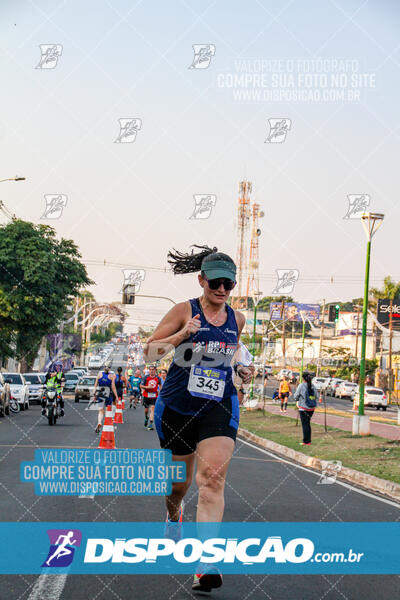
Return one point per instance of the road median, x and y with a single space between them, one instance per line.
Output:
372 463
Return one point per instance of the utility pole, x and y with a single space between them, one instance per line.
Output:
390 350
76 314
83 333
357 329
321 337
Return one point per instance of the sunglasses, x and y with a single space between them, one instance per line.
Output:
214 284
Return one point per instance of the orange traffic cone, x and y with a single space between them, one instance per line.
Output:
107 440
320 398
118 418
123 404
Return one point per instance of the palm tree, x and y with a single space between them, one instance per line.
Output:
390 290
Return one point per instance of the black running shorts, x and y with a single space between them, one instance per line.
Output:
181 433
149 402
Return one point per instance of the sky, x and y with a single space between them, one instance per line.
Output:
333 66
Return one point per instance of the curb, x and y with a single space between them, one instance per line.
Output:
363 480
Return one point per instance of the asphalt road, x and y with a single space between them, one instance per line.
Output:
260 487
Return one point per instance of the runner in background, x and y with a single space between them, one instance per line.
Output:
105 380
150 386
120 383
284 393
163 376
134 382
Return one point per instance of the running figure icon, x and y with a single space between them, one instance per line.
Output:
62 549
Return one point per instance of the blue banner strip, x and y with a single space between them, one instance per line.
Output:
133 548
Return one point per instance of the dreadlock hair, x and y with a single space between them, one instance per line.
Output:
189 263
308 378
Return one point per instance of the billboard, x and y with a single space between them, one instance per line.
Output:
383 313
293 310
63 347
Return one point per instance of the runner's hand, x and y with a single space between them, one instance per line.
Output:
245 373
192 326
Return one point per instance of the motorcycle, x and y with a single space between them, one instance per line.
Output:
51 405
14 405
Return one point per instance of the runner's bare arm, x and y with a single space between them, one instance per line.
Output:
96 383
175 327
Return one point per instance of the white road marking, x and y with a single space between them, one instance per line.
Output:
317 474
48 587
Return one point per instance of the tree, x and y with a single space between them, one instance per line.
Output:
390 289
265 302
39 277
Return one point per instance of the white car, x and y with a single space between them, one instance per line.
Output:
284 373
346 389
19 389
36 386
96 362
373 396
332 386
320 383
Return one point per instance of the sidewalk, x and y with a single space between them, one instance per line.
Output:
390 432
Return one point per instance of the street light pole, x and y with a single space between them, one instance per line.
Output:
371 222
302 346
256 295
321 337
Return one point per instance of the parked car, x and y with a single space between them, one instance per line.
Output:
80 372
332 386
346 389
18 388
320 383
85 388
4 397
294 378
284 373
373 396
71 381
35 386
96 362
81 368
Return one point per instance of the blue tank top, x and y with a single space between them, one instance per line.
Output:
216 344
104 380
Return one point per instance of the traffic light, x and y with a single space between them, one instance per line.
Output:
337 309
333 315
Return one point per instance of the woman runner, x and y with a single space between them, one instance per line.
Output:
197 412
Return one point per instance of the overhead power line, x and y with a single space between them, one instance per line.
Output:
309 279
